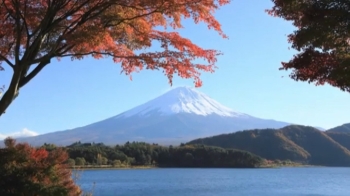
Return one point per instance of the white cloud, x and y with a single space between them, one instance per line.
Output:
24 133
2 136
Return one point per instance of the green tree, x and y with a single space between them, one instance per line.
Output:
101 160
79 161
104 161
188 158
49 147
71 162
140 153
117 163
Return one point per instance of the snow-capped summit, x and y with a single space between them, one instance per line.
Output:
179 115
183 100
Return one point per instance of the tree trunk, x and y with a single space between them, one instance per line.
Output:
12 92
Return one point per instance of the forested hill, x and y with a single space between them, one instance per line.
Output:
345 128
341 138
143 154
296 143
341 134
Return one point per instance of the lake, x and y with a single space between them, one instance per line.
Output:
314 181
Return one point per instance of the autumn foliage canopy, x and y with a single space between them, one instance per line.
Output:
33 32
322 39
25 170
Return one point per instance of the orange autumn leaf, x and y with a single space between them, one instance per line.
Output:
38 154
25 170
33 32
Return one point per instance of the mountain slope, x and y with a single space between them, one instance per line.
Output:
323 149
297 143
342 138
267 143
345 128
180 115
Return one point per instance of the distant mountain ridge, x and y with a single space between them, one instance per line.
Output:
179 115
345 128
296 143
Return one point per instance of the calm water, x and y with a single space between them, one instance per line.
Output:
218 182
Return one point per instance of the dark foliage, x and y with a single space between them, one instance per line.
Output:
143 154
321 39
342 138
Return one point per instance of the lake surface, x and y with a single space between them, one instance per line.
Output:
318 181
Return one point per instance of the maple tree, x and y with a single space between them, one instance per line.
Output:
321 38
33 32
25 170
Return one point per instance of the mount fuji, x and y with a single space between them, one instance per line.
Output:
179 115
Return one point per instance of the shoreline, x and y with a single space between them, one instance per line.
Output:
157 167
110 167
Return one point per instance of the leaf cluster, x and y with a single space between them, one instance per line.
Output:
25 170
33 32
322 39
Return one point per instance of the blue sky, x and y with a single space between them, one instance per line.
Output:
69 94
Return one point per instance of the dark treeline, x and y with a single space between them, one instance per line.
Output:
143 154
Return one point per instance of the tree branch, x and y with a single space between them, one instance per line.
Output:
32 74
26 24
95 52
7 61
18 32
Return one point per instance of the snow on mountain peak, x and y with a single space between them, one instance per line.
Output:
183 100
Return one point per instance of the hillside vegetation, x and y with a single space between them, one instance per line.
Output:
345 128
296 143
342 138
134 154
